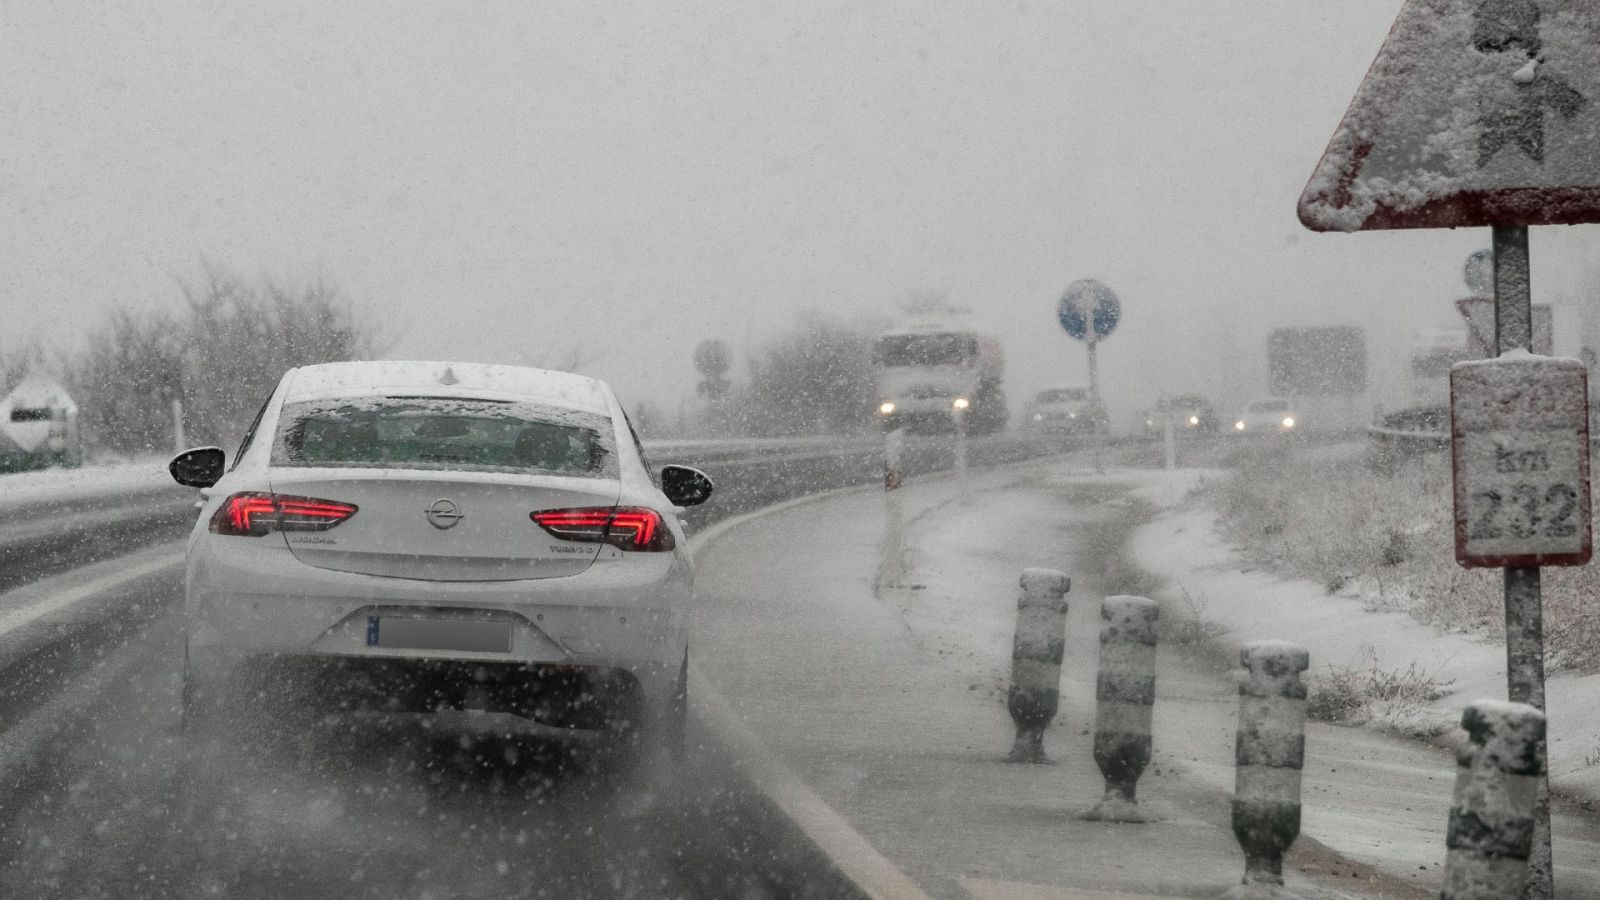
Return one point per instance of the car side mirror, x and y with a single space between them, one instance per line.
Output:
685 486
201 467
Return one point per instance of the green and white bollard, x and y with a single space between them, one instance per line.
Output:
1498 771
1125 691
1036 655
1269 753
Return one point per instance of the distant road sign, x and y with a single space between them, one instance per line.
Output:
1317 362
712 358
1086 307
1478 273
1519 440
1479 315
1476 112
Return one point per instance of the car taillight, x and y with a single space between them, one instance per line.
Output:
624 527
254 513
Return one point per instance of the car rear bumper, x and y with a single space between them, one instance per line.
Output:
246 603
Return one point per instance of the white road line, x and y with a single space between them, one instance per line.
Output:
25 605
855 857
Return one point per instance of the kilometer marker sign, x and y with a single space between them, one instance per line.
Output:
1520 461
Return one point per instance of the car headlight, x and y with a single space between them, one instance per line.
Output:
1288 421
1239 425
885 408
1038 417
960 404
1194 420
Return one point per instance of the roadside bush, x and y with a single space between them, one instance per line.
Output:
1365 692
816 380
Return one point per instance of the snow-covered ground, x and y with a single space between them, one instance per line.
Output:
116 479
1377 798
1184 544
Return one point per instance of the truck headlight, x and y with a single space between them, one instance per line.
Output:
960 404
1288 421
1239 425
885 408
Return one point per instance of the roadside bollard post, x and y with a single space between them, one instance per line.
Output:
1125 692
894 442
1498 772
1036 656
1269 753
959 414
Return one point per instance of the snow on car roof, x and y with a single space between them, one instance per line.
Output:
418 378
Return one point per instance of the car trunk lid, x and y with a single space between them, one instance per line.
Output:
444 525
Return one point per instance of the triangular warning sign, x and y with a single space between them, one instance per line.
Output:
1476 112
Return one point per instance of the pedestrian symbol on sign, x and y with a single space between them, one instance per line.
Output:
1512 26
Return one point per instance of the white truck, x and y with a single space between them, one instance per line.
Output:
929 371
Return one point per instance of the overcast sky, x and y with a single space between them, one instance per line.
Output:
507 180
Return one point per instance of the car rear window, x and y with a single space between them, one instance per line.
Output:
445 433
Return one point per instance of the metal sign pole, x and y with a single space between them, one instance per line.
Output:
1094 395
1169 449
1513 330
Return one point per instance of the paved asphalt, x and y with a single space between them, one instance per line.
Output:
100 795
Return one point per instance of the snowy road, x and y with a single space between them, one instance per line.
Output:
44 537
103 799
99 796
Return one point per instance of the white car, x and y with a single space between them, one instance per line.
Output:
1064 409
1267 417
419 537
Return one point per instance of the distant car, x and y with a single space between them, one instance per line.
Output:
1191 415
1063 409
416 537
1270 416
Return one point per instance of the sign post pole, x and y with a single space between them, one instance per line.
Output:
1169 449
1089 311
1094 397
1513 330
1479 113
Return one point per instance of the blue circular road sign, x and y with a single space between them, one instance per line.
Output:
1088 307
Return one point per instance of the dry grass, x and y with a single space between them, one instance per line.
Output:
1387 538
1366 692
1106 544
1191 626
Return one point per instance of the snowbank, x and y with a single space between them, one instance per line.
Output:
1184 545
143 476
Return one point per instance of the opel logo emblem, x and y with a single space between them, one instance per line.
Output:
443 514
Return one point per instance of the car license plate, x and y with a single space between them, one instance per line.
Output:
405 633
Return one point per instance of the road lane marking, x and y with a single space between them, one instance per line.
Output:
22 606
854 856
26 740
988 889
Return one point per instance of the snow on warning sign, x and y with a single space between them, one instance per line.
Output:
1475 112
1519 438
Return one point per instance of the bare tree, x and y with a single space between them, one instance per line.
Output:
817 379
16 364
221 357
125 379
